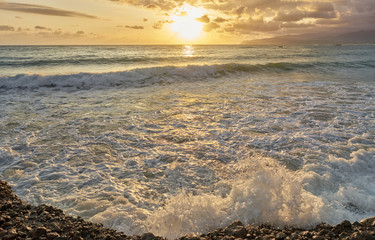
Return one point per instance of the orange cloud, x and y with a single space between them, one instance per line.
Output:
246 17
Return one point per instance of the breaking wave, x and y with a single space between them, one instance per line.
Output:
161 75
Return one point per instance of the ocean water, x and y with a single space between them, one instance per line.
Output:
185 139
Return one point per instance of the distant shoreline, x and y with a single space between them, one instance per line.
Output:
19 220
255 43
358 37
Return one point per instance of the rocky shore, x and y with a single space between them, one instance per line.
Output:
19 220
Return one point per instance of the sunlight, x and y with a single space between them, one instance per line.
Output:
185 23
188 51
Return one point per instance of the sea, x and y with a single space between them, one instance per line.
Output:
183 139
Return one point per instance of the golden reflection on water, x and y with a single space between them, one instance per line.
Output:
188 51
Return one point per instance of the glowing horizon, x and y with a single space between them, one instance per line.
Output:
169 22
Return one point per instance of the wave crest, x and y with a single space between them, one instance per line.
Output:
148 76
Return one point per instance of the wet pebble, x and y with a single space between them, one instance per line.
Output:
19 220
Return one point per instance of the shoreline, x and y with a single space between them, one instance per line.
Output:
19 220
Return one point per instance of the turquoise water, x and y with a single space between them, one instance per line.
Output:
184 139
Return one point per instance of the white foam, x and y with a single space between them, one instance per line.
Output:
130 78
145 76
191 155
262 191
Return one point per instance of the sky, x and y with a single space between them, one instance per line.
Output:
175 21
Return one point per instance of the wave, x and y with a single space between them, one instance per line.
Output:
264 192
148 76
83 61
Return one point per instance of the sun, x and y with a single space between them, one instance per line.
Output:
185 23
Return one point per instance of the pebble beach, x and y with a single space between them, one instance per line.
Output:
20 220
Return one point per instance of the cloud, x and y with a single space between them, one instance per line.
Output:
42 10
316 12
203 19
131 27
59 33
296 25
160 24
239 10
321 10
257 25
135 27
42 28
153 4
292 16
272 16
220 20
6 28
19 29
210 26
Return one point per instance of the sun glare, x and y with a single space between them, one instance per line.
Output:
185 23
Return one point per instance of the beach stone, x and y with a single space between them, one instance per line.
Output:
239 232
318 238
215 233
52 235
306 234
356 224
10 234
77 236
236 229
12 231
269 237
45 214
9 237
323 226
346 225
2 221
356 236
21 234
344 235
27 229
368 222
330 235
148 236
190 237
235 224
39 232
3 233
323 232
280 236
8 224
363 235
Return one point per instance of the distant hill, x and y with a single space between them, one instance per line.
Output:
363 36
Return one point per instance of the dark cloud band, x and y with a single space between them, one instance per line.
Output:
43 10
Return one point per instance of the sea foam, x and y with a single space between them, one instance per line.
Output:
162 75
281 137
262 191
